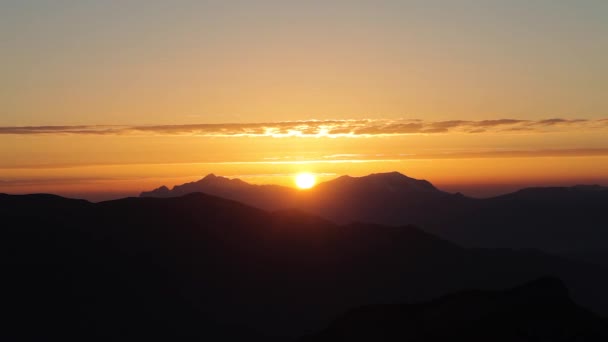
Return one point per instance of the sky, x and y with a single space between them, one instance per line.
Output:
101 99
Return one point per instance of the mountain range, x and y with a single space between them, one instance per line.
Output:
554 219
540 310
204 267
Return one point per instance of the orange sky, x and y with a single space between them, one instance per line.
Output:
104 163
101 99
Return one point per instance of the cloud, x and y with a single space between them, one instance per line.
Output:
325 128
493 123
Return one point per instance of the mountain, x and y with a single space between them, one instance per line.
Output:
203 267
268 197
557 219
384 198
393 182
537 311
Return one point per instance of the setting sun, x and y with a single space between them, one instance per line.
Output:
305 180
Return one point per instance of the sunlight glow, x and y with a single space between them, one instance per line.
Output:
305 180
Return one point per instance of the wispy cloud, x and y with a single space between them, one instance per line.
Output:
325 128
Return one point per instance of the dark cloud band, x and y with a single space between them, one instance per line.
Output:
324 128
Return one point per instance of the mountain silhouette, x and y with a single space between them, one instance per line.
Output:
203 267
540 310
384 198
268 197
380 182
554 219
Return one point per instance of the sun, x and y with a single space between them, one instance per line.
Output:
305 180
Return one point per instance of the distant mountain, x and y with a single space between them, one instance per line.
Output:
556 219
384 198
203 267
537 311
268 197
592 187
393 182
559 219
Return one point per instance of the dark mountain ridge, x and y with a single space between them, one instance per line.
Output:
390 181
267 197
199 266
554 219
537 311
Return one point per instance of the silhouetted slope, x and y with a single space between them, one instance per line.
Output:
552 219
268 197
200 266
597 257
381 198
378 183
537 311
389 198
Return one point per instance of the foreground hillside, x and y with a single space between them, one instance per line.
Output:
200 266
537 311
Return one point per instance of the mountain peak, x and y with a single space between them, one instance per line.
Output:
394 175
389 174
210 176
391 181
212 179
162 191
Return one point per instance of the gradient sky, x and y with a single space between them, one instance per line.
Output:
421 87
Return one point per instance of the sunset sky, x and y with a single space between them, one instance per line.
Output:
103 99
